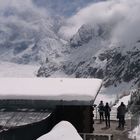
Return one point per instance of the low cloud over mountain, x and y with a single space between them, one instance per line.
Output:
97 39
26 32
120 15
104 41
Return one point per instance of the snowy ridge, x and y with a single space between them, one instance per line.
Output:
98 46
102 46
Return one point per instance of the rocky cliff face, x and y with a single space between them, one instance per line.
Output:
90 57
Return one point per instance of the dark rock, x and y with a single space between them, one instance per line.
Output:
99 74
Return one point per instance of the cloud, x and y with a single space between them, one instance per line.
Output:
121 15
24 18
24 31
22 10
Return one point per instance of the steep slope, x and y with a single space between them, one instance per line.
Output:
90 56
114 64
83 48
103 46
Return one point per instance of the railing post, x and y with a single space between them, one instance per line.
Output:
109 137
84 136
91 136
96 113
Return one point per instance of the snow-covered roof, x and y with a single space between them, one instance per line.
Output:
49 88
62 131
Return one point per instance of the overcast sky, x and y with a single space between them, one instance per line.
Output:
121 15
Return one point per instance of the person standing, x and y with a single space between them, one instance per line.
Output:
121 110
101 111
107 111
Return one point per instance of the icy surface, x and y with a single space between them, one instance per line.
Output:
62 131
49 88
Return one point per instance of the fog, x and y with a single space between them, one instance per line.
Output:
121 15
22 14
23 24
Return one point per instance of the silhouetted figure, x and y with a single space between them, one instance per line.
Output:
107 110
121 110
101 111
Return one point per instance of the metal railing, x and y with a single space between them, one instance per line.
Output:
96 136
113 114
135 119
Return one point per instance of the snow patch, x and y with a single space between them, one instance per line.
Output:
62 131
110 93
124 99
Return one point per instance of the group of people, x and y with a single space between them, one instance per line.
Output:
104 111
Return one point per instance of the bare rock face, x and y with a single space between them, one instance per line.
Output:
118 68
48 69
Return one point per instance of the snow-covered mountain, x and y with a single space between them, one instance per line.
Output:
102 44
28 30
27 33
102 39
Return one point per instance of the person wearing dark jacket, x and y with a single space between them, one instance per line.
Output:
101 111
121 110
107 110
